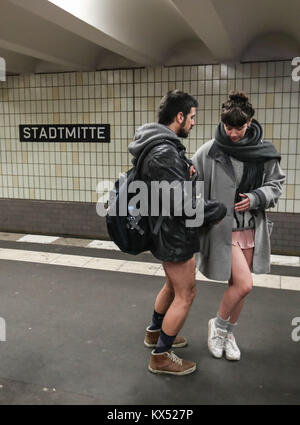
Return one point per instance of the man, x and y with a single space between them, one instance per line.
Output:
175 243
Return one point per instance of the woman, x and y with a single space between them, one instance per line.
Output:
242 171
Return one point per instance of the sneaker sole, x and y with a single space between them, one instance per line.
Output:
231 359
166 372
209 332
181 345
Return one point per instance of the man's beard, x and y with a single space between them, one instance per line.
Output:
182 133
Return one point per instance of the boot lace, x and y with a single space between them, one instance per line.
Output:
172 356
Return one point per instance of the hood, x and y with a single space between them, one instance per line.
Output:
149 133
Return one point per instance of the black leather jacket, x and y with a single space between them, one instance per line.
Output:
175 241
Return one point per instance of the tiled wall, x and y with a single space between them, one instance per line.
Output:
126 99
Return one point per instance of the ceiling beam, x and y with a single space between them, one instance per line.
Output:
40 55
86 29
16 63
207 24
21 32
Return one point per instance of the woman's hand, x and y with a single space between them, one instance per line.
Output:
242 205
192 171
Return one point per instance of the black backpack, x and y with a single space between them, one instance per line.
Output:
132 234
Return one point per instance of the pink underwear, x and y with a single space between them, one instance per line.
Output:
243 238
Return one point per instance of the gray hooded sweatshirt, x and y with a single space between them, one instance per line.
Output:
148 133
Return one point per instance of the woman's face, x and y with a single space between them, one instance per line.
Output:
236 133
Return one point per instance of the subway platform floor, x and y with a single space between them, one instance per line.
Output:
285 270
75 321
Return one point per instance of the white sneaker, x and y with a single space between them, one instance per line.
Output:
216 339
232 351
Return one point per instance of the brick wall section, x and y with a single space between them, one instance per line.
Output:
285 237
80 219
52 218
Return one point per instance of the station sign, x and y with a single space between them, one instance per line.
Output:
95 133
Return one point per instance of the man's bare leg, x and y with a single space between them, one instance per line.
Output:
164 298
181 276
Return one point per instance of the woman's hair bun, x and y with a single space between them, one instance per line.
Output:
237 110
236 96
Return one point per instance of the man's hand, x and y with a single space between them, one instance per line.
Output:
242 205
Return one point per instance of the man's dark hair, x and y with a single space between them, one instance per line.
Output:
172 103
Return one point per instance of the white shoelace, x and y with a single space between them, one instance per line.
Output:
220 339
174 358
233 343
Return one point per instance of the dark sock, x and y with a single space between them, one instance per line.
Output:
157 320
164 342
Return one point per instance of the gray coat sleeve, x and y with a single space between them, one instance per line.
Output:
268 194
198 161
203 164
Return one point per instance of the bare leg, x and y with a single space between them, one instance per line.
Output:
164 298
235 314
181 276
241 284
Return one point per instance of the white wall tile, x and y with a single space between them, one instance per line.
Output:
208 83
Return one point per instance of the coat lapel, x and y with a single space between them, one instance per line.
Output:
218 155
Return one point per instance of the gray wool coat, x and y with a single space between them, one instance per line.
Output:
217 172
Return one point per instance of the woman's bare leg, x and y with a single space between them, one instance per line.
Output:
235 314
241 284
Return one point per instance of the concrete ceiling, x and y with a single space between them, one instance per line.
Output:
72 35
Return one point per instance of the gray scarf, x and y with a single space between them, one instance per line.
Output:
252 151
250 148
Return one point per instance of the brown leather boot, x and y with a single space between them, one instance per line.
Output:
169 363
151 338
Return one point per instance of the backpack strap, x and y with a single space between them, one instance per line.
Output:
158 224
